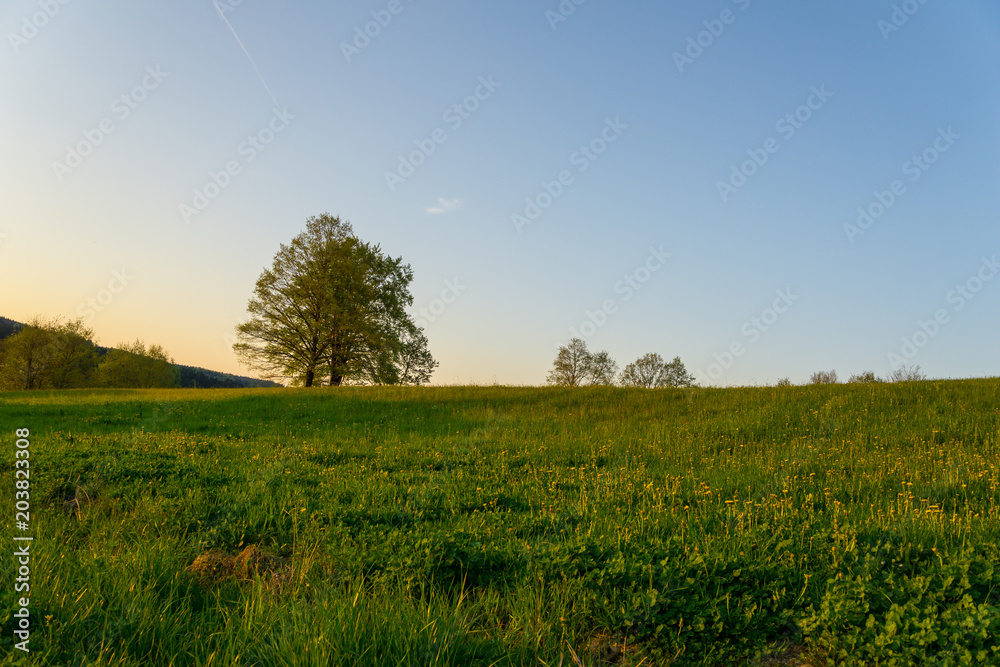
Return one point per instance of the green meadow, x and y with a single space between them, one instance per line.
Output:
813 525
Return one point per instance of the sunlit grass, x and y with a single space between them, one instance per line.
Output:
492 525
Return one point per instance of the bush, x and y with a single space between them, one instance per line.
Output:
823 377
906 374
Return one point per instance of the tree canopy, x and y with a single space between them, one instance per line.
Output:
135 366
651 371
575 365
50 353
331 310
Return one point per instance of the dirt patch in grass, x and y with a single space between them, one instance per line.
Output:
607 650
217 567
791 656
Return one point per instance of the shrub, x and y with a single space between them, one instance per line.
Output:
906 374
823 377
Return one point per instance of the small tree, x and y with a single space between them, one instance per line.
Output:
676 375
823 377
571 364
906 374
27 358
574 365
867 377
48 354
651 371
603 369
643 372
784 382
74 355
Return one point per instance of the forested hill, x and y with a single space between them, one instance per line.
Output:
8 327
190 376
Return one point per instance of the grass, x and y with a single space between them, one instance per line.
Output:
820 525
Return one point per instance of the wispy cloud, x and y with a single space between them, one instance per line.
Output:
247 53
445 205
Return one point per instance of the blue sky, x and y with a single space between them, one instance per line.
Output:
641 109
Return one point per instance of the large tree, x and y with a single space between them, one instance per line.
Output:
332 309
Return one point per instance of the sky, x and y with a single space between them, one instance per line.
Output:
765 190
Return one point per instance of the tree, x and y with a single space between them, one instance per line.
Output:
676 375
27 357
643 372
333 308
48 354
603 369
133 366
868 377
74 356
384 345
287 334
572 364
650 371
906 374
823 377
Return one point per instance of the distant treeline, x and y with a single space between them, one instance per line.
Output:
57 354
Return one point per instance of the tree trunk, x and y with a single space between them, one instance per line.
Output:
337 364
314 358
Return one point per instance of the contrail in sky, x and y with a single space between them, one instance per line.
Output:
240 42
